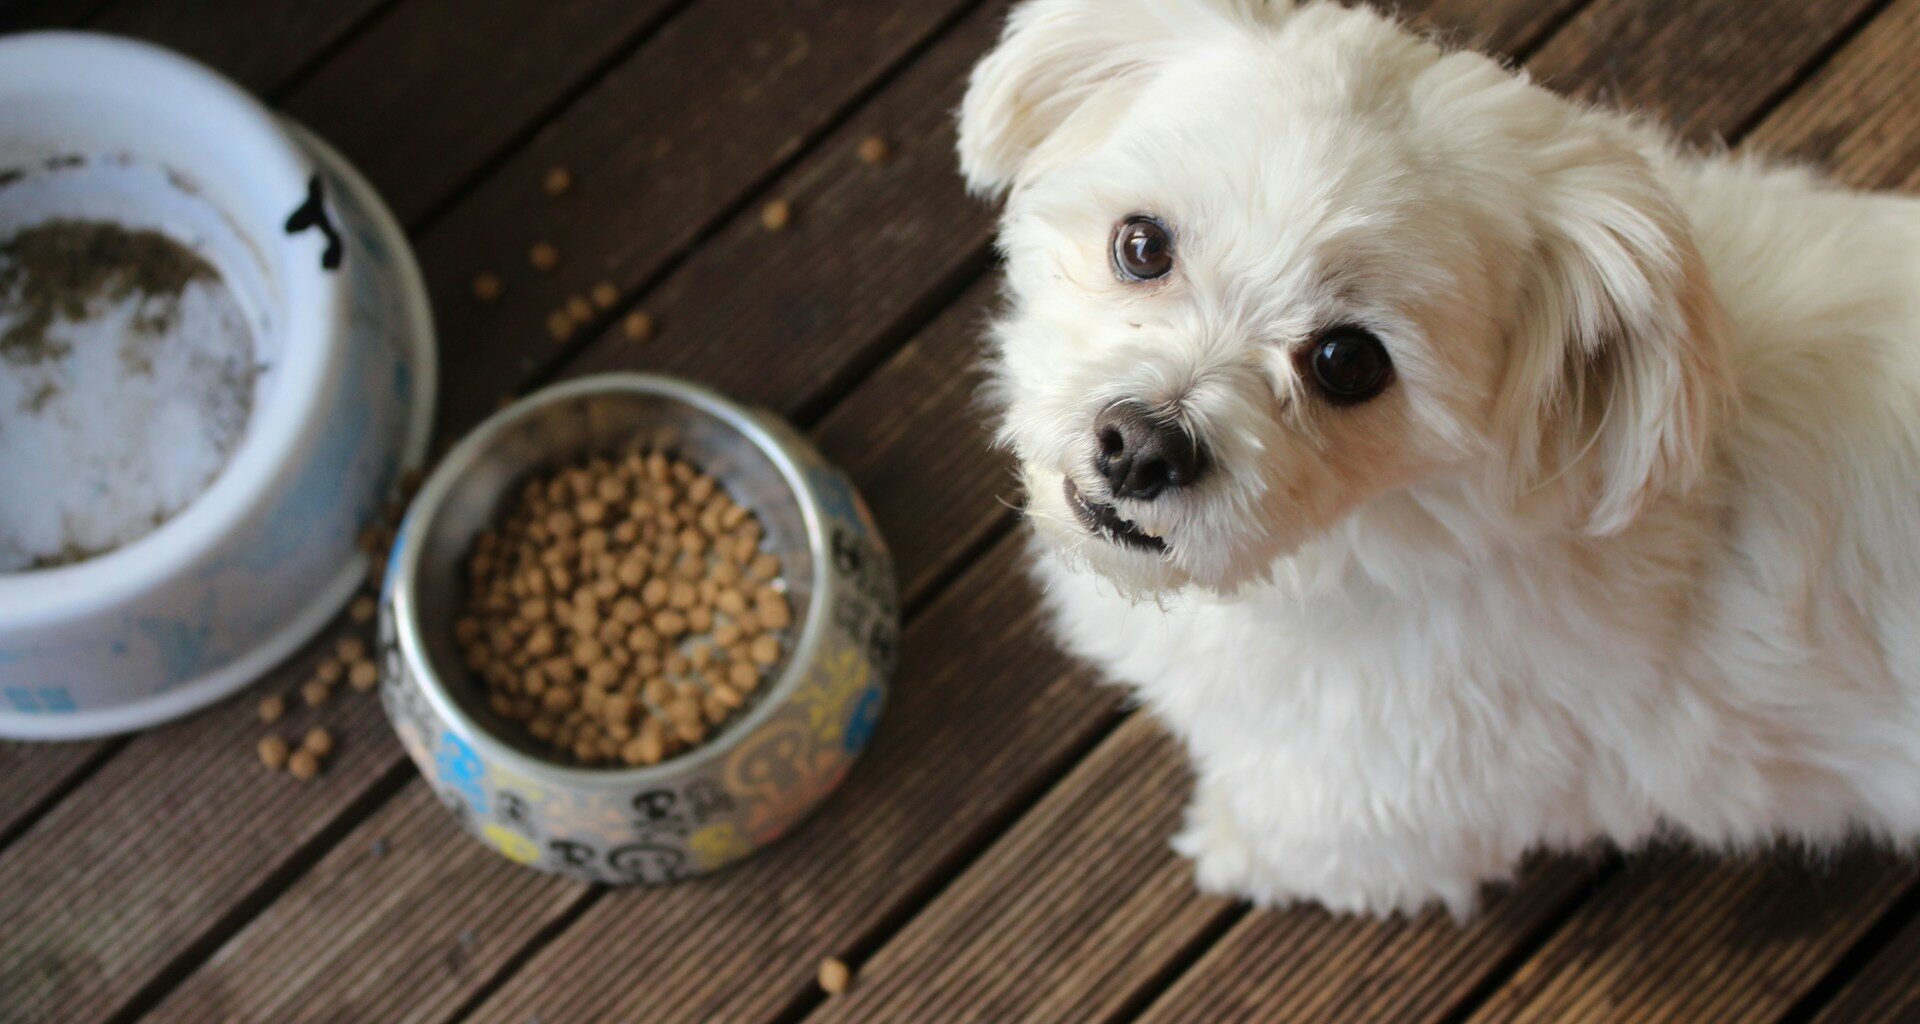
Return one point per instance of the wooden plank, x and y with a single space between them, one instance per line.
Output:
181 897
37 771
262 44
434 90
657 150
402 936
1090 925
866 248
912 437
1857 118
1738 56
1696 937
1314 967
1887 991
160 844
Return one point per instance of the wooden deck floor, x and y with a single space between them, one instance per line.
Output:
1000 854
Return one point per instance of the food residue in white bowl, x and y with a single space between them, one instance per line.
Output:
127 378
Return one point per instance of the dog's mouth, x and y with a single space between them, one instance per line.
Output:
1104 519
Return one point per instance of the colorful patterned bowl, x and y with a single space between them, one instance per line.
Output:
715 803
110 128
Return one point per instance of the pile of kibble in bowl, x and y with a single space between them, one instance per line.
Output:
623 610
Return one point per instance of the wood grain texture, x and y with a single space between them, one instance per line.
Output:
1064 917
262 44
914 438
399 923
1689 937
866 249
1857 119
435 89
1887 991
1310 967
34 772
158 846
981 708
656 161
1737 58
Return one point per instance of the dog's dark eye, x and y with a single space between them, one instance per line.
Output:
1350 365
1142 249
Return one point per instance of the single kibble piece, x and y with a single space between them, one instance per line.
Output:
776 215
272 708
273 752
304 764
557 181
559 325
329 671
835 976
605 295
315 693
351 649
318 742
361 610
487 287
874 151
637 326
363 676
579 309
543 256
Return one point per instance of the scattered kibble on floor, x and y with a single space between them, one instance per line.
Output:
303 764
487 287
272 708
318 742
362 609
874 151
620 610
557 181
559 325
579 309
776 215
835 976
605 294
637 326
543 256
273 752
363 676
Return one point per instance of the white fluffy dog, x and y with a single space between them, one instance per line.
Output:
1456 469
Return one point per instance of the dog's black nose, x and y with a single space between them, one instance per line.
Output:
1141 455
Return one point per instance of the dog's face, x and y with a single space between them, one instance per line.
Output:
1267 267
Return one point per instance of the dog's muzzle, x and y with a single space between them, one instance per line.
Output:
1105 520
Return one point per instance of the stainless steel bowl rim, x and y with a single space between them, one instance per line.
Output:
404 571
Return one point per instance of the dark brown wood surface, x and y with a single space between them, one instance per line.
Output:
1000 854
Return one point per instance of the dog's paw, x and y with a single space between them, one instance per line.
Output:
1223 861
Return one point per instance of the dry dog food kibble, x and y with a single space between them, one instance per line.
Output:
623 610
835 976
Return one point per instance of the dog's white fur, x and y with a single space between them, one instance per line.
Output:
1631 545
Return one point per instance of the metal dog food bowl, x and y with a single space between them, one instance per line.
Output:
717 802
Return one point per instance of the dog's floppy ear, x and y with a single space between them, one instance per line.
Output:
1065 61
1618 366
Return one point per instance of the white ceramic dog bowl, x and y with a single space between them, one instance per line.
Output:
97 127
